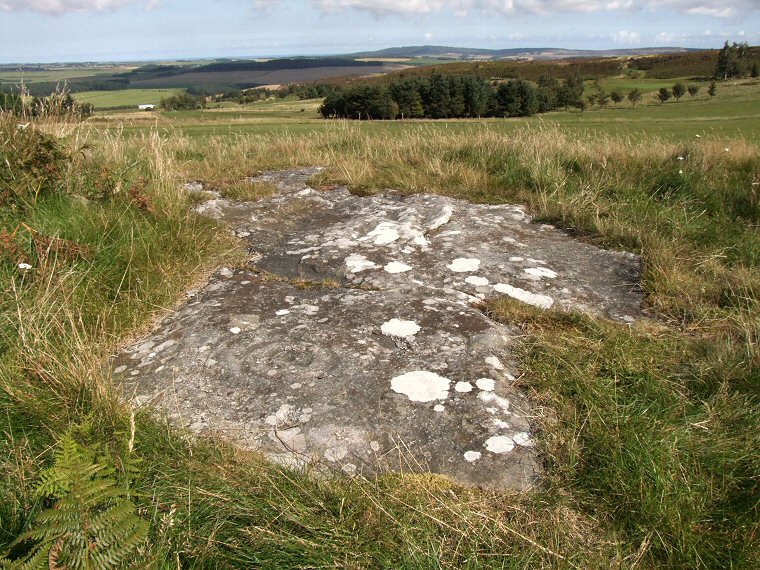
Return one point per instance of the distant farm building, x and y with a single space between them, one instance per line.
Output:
146 107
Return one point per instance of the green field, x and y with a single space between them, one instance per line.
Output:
733 112
626 84
125 98
17 77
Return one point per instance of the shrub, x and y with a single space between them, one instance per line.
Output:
634 96
183 102
31 164
678 90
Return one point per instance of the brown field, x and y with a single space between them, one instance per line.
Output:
274 77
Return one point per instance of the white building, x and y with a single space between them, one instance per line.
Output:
146 107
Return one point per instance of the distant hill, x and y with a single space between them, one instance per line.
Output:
545 53
220 76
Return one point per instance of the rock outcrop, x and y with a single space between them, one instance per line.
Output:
353 340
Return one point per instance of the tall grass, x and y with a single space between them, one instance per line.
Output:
649 433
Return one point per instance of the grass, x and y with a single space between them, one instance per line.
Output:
102 100
626 84
649 433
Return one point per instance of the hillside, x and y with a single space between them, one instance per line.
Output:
543 53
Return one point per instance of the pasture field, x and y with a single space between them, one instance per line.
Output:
124 98
16 77
648 432
626 84
733 112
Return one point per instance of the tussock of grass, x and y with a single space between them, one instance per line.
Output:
649 433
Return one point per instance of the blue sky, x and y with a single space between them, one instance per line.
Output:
119 30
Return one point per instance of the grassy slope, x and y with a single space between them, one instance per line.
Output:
124 98
650 434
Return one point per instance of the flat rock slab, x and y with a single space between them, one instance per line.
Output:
353 340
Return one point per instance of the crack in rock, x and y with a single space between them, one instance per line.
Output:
391 366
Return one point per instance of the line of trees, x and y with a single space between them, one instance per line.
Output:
679 90
452 96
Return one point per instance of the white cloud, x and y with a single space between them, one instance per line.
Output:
713 8
669 38
66 6
710 8
625 37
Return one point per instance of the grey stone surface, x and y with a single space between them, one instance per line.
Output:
353 340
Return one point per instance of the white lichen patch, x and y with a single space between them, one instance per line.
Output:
523 438
472 456
399 328
164 345
540 301
477 281
491 398
284 415
439 408
384 233
464 265
499 444
421 386
309 309
541 272
442 219
235 330
486 384
303 251
516 259
334 454
282 312
494 362
357 263
463 387
397 267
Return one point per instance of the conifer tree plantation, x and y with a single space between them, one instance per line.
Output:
452 96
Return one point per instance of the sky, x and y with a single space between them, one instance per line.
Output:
45 31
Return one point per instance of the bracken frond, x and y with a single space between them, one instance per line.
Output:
93 524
